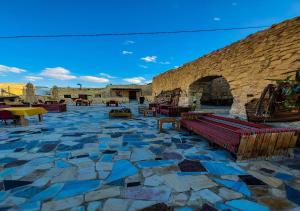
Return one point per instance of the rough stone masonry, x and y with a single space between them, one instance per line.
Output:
246 65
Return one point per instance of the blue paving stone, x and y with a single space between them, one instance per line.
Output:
62 164
105 139
149 136
30 206
220 155
137 143
293 194
176 139
12 145
94 155
237 186
185 209
130 138
116 135
119 182
48 193
19 149
283 176
40 161
74 188
222 168
157 142
121 169
197 157
11 184
155 163
103 146
107 157
245 205
190 173
63 154
7 160
3 195
225 207
28 192
7 172
156 150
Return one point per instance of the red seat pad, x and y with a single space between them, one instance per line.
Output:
218 135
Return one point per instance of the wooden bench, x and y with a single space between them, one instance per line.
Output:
243 139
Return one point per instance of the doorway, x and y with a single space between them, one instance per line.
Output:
132 95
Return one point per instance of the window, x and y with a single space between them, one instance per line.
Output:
98 95
67 96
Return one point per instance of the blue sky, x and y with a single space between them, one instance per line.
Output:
98 61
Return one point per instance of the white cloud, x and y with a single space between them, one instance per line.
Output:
143 66
234 4
166 62
217 19
135 80
149 58
129 42
59 73
94 79
107 75
127 52
4 68
176 66
148 82
33 78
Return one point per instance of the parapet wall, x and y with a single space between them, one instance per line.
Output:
246 64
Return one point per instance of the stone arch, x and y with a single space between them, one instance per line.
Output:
213 89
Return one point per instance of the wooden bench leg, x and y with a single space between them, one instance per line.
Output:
178 125
23 121
40 117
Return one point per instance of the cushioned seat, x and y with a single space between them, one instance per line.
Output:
244 139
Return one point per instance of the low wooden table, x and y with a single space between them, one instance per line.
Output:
150 111
175 123
21 112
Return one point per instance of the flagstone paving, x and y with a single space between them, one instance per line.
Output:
81 160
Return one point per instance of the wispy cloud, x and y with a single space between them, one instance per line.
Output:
58 73
107 75
148 82
166 62
33 78
94 79
135 80
216 19
4 68
143 66
149 58
129 42
176 66
127 52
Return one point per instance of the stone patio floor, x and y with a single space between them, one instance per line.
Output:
81 160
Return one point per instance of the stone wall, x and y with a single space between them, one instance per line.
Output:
246 64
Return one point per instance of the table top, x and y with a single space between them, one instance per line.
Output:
25 111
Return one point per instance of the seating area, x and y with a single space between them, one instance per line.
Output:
243 139
52 106
85 154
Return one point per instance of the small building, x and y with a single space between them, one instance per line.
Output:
121 93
